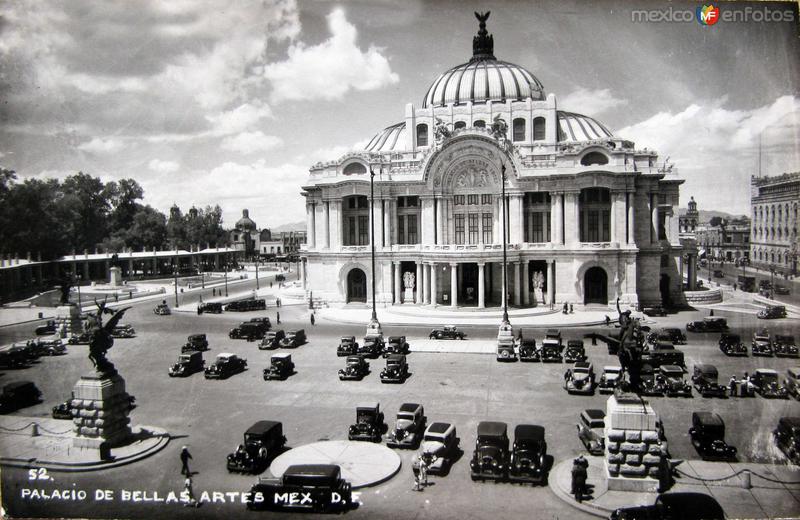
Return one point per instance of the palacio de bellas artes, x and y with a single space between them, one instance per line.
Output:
590 217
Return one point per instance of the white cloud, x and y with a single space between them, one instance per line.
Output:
101 145
332 68
159 166
716 149
239 119
590 102
251 142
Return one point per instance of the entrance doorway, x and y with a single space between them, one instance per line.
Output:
663 286
356 286
468 285
595 286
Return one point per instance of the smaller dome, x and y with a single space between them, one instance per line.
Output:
245 223
574 128
390 139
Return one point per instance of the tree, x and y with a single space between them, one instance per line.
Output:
85 209
149 229
122 196
715 221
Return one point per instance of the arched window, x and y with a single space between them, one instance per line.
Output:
355 168
519 129
422 134
459 125
594 158
480 123
538 129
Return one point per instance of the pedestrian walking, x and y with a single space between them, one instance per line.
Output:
578 478
189 494
185 456
732 387
423 470
278 301
312 318
565 309
608 321
278 317
270 285
571 309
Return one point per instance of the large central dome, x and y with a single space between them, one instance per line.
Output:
484 78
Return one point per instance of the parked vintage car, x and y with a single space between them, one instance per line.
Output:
14 356
440 446
210 308
708 437
408 428
81 338
280 367
673 506
671 335
785 346
609 379
123 330
787 437
505 348
528 350
257 304
580 379
50 346
490 458
263 320
162 309
249 331
63 410
772 312
574 351
396 345
396 370
708 324
195 342
654 310
321 487
552 347
766 382
294 338
663 353
262 442
673 382
272 340
762 343
651 381
446 332
792 382
731 345
372 346
355 368
225 366
19 394
782 289
591 430
347 346
528 462
187 364
705 378
369 425
48 328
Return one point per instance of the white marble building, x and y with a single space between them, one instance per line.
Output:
590 217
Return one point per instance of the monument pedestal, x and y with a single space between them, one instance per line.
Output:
408 296
68 320
100 411
634 451
374 328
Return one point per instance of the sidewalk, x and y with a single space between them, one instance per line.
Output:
776 496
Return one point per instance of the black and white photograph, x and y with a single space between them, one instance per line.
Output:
399 259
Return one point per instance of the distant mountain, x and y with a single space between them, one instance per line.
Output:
292 226
706 215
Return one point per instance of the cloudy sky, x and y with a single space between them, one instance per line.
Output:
231 102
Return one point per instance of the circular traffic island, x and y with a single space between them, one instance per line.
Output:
362 463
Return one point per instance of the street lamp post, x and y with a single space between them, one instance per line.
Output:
505 262
176 285
78 283
374 326
257 286
226 278
771 281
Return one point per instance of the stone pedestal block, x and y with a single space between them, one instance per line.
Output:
68 320
100 411
115 276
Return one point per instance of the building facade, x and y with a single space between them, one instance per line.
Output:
727 242
590 218
774 206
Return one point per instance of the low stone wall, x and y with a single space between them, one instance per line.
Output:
703 297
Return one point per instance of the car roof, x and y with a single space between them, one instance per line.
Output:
766 371
409 407
439 427
225 354
552 332
526 432
396 338
282 355
349 338
368 406
671 368
492 429
582 364
354 358
327 470
692 506
609 368
708 418
705 368
262 427
594 414
396 357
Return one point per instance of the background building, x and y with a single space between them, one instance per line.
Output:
590 217
774 202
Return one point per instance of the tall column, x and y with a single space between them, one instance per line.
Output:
618 216
556 217
551 281
453 285
336 224
630 235
425 287
439 220
498 215
653 206
526 284
692 273
517 284
86 270
434 299
571 212
388 216
418 284
397 288
304 273
481 291
612 234
428 223
312 231
326 221
375 214
515 219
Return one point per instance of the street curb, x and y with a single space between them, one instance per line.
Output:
456 324
586 507
163 439
26 321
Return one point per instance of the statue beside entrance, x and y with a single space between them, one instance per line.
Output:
538 284
409 279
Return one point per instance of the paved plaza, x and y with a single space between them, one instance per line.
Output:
209 417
